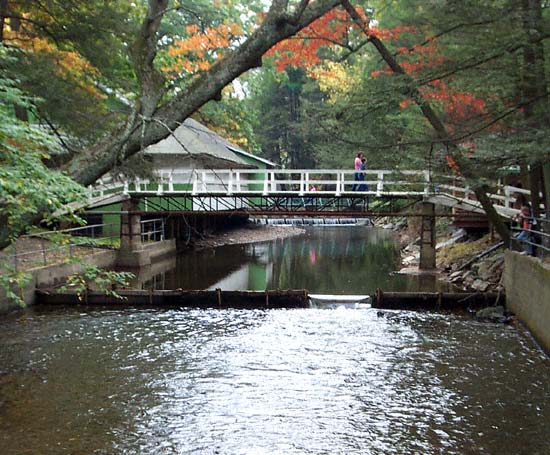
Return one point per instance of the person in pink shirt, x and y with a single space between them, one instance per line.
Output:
357 166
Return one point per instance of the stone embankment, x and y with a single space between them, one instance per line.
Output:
456 256
463 268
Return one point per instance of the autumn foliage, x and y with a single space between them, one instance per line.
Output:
201 47
70 65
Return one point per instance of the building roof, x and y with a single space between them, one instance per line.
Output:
195 140
250 155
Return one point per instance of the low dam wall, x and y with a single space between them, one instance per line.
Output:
527 283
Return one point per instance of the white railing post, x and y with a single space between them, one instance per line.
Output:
160 188
203 176
427 184
266 183
338 192
273 184
238 175
125 188
302 183
171 184
507 199
137 184
307 182
101 188
195 183
230 184
380 184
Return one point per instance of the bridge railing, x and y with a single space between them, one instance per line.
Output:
307 181
300 182
280 181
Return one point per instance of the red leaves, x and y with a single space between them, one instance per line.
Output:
331 29
301 50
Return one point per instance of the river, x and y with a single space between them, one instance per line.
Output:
312 381
324 260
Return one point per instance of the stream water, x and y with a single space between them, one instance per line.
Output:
314 381
324 260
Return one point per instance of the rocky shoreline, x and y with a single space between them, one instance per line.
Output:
468 263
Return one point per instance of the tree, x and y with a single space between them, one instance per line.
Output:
27 186
455 64
152 121
155 110
277 100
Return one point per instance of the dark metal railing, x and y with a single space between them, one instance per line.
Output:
536 240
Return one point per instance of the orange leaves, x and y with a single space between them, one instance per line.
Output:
389 33
198 51
332 29
301 50
70 64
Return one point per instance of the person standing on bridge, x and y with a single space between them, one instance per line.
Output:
358 174
363 168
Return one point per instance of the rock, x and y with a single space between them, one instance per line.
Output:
479 285
467 279
493 314
456 279
411 248
456 274
410 259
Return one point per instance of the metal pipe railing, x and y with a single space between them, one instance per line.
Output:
536 238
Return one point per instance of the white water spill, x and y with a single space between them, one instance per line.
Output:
328 301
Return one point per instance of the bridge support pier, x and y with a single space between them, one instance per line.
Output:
427 237
131 252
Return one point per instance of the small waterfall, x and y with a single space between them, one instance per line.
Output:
296 221
326 301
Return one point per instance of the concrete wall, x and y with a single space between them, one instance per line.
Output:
54 274
527 283
51 275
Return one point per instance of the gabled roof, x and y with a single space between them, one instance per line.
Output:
250 155
194 139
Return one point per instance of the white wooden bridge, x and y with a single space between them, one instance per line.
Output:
278 189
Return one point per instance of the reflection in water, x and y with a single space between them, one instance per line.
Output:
326 260
268 382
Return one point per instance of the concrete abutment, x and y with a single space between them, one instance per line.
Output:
427 237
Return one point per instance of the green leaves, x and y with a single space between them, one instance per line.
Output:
27 186
94 278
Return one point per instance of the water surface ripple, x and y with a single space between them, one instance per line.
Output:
311 381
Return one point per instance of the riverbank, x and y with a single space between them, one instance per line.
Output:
469 262
249 233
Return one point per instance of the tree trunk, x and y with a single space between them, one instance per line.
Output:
535 187
3 13
534 88
546 181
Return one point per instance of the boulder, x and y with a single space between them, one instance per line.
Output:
493 314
